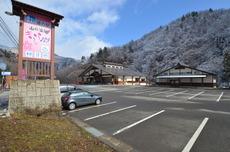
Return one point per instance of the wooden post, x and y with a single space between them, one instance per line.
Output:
113 79
52 74
21 27
132 80
101 76
202 80
212 81
123 80
82 79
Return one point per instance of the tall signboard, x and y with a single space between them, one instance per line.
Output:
36 41
36 38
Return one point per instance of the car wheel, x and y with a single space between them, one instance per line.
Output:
72 106
98 101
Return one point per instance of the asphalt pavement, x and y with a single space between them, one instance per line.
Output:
161 119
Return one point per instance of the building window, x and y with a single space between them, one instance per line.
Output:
137 79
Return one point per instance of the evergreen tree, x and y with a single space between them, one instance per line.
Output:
210 10
91 56
100 55
83 60
182 18
105 53
167 28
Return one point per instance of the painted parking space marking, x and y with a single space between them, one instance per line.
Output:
218 100
138 122
161 92
111 112
103 90
128 90
105 104
196 95
146 91
210 95
176 93
123 89
191 142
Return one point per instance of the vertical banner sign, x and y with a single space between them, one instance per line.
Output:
36 38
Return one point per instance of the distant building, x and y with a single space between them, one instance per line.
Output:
111 73
181 75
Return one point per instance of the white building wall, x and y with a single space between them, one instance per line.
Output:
128 80
120 78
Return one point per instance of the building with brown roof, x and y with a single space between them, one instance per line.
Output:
112 73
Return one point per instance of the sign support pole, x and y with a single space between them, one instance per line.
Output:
52 52
20 68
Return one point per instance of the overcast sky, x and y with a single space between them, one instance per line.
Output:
91 24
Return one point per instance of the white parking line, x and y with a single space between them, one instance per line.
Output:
127 89
121 90
206 94
103 90
94 106
161 92
104 114
196 95
141 92
136 123
176 93
189 145
218 100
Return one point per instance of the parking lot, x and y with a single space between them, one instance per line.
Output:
161 119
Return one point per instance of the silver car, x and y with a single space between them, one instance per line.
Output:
77 98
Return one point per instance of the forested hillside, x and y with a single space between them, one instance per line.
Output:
197 39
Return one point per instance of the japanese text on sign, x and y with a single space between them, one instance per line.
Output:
36 38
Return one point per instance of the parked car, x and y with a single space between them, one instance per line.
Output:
225 85
77 98
66 88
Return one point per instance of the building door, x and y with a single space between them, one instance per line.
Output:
175 83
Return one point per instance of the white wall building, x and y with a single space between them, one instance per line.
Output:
181 75
111 73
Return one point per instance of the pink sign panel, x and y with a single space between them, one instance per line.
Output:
36 38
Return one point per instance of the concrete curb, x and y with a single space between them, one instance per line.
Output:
108 140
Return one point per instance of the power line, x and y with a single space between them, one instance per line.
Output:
8 32
8 29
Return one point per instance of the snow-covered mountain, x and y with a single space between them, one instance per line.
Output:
197 39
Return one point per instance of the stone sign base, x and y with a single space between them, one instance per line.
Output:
29 95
